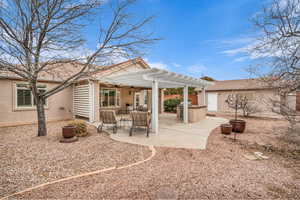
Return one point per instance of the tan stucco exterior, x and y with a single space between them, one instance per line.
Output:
59 105
195 113
260 98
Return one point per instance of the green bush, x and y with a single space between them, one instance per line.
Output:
80 128
171 104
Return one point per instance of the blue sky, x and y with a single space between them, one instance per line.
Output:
200 37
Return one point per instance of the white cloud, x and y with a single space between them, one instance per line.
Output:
238 41
159 65
176 64
235 51
196 70
241 59
249 51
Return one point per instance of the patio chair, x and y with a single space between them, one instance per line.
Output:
142 108
140 119
108 117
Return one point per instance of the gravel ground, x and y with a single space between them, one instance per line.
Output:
219 172
27 160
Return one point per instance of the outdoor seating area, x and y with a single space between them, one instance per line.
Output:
124 120
172 132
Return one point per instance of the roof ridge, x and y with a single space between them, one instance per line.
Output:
242 79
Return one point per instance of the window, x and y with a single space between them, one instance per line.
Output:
24 97
109 98
145 97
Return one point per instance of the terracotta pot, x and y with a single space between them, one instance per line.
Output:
226 129
238 125
68 131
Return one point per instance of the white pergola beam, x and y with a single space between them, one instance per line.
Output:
204 95
155 106
145 77
186 104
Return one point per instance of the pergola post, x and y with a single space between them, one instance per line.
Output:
204 95
155 106
186 104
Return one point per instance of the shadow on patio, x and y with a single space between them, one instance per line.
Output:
171 133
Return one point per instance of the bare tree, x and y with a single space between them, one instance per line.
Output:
40 36
278 45
237 102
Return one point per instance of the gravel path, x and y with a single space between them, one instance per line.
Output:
27 160
219 172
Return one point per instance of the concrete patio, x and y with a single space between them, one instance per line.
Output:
171 133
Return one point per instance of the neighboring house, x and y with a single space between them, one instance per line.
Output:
258 93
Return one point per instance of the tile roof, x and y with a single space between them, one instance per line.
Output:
239 84
60 72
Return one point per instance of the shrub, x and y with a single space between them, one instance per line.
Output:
171 104
80 128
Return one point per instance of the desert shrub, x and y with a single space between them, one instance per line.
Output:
171 104
80 127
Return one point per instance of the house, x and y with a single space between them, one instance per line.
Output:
257 92
123 86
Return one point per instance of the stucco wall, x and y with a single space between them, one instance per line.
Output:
59 105
259 98
291 101
96 101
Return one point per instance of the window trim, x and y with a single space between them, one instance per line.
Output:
116 91
15 98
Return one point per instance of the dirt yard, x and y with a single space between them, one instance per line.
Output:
27 160
220 172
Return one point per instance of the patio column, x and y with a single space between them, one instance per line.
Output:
204 95
155 106
186 104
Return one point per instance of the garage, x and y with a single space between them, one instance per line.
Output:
212 101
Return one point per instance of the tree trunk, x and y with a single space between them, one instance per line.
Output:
235 116
42 130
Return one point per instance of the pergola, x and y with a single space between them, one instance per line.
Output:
157 78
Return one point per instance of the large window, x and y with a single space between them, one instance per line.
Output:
24 97
110 98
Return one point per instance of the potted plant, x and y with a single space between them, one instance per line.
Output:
68 131
226 129
236 102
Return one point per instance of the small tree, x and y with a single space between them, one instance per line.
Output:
207 78
237 102
41 36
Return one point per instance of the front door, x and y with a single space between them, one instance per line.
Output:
212 101
137 100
